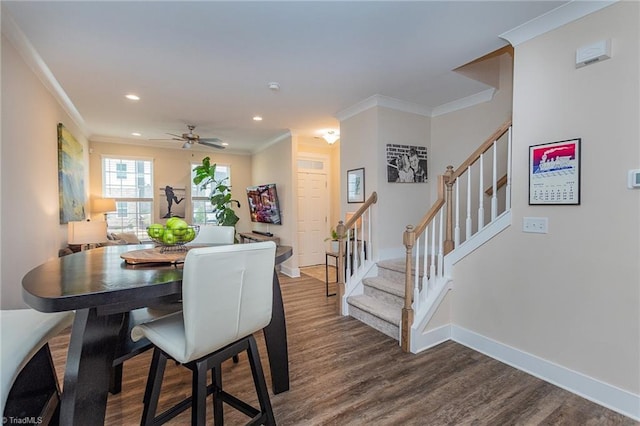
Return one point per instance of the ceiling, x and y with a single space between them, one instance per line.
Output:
210 63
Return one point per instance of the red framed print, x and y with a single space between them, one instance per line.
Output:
554 173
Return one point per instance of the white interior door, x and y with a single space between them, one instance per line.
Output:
313 213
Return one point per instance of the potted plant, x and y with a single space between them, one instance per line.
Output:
220 193
334 240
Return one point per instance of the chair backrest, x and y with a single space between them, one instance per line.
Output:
227 294
214 234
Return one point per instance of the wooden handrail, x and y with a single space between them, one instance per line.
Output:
481 149
373 198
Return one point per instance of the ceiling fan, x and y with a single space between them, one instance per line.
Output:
190 138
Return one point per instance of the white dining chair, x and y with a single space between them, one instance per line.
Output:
26 367
208 234
227 294
214 234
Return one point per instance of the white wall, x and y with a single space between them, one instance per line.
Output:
572 296
275 164
30 223
364 138
173 167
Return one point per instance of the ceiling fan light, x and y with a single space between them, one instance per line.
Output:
186 145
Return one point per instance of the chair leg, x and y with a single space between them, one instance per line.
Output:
199 394
218 406
152 390
260 383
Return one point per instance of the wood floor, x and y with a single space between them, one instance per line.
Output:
345 373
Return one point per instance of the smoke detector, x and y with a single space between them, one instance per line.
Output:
274 86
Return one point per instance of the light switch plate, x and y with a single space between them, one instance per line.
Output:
536 225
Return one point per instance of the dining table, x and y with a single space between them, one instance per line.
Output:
103 288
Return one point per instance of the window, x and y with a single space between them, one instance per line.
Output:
130 182
203 213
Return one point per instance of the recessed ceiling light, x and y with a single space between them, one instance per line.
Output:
224 144
257 118
132 97
136 134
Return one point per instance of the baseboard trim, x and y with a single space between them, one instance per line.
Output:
290 272
601 393
431 338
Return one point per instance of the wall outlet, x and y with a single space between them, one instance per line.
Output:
537 225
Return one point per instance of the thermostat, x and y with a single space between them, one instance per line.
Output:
633 181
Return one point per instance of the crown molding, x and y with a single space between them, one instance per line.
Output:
34 61
553 19
462 103
383 101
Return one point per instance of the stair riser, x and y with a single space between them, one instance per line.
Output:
391 275
372 321
389 298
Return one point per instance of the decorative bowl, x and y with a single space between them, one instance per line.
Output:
179 237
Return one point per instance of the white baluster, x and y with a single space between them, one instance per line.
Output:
508 193
432 268
425 260
456 231
441 245
468 221
347 260
416 276
480 197
494 182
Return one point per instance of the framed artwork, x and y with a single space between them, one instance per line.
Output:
406 163
554 173
355 186
171 205
70 177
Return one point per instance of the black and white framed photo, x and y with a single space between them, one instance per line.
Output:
355 186
406 163
554 173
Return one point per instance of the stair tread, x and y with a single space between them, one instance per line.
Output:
398 265
377 308
383 284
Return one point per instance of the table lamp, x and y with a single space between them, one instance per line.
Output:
103 205
86 232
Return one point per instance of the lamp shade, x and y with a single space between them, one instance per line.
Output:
103 205
86 232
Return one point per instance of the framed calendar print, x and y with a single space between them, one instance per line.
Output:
554 173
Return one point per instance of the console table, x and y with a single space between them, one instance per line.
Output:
250 237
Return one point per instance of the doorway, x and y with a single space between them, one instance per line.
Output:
313 210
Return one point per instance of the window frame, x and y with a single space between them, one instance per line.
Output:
196 197
144 205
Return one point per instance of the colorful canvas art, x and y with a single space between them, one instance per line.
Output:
554 173
70 177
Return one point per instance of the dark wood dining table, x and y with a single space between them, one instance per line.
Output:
103 289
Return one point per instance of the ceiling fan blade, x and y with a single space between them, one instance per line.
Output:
205 142
177 136
213 140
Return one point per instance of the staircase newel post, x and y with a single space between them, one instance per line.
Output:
448 181
341 231
409 240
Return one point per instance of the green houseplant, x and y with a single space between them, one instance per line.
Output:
220 193
334 238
